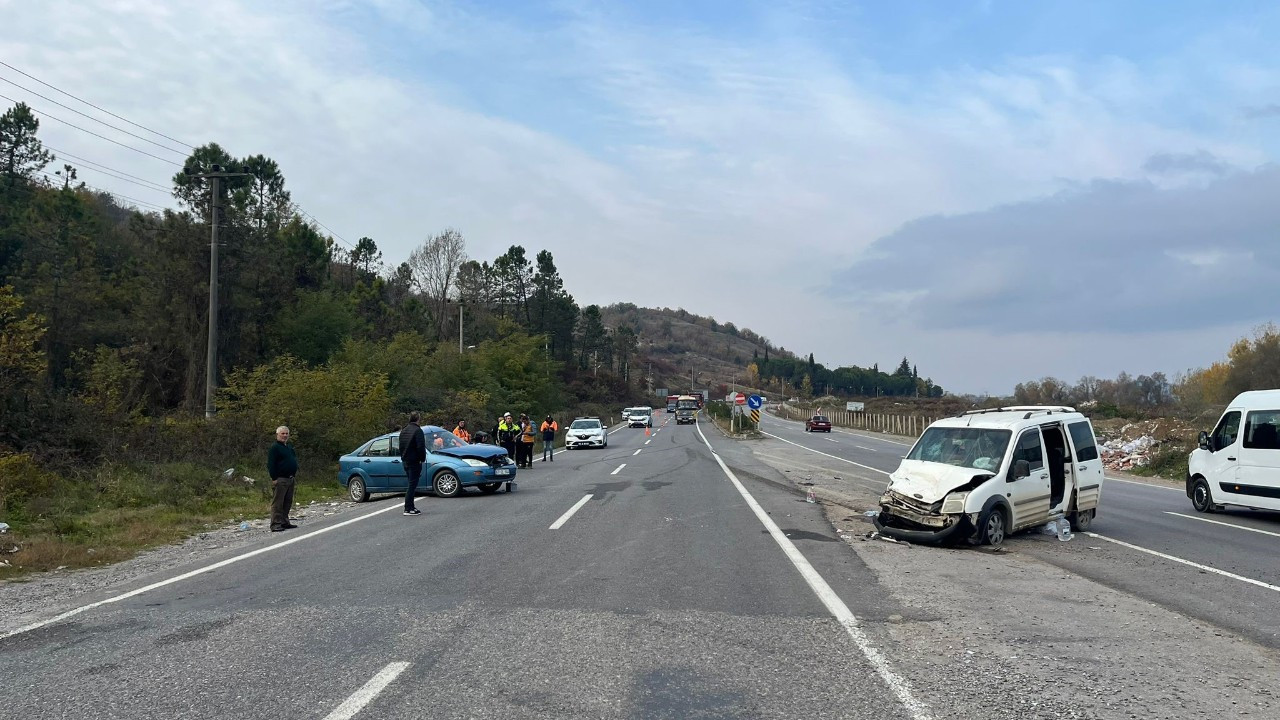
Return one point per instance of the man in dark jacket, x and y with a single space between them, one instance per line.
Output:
413 452
282 466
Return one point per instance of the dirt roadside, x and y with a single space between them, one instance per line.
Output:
1001 632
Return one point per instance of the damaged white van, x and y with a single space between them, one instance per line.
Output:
988 473
1239 462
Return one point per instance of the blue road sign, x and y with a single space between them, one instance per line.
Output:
754 402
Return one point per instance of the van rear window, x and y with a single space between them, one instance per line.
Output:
1082 439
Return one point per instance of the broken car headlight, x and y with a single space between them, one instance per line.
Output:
954 503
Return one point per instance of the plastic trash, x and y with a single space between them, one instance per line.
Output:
810 497
244 525
871 513
4 527
1064 531
1050 528
228 474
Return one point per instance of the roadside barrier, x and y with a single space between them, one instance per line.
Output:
905 425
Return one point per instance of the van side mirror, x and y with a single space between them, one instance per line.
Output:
1021 469
1204 440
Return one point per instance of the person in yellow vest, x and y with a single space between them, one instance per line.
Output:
549 429
507 429
527 437
461 432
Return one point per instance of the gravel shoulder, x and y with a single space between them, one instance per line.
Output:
43 595
1004 633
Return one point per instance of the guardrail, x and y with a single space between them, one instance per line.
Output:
905 425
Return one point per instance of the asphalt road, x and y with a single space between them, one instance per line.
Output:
1222 568
664 595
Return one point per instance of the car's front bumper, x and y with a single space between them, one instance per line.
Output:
595 441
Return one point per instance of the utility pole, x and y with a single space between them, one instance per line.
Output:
459 326
211 358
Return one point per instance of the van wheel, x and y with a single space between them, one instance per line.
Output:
1082 521
1201 496
994 528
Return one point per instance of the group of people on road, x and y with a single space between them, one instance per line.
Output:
519 436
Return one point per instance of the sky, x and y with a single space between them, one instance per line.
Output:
997 190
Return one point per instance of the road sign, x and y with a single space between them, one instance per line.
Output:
854 406
754 402
739 399
755 416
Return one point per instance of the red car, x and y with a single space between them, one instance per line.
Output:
817 423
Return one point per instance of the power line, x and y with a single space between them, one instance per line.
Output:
104 137
117 174
95 107
117 195
183 153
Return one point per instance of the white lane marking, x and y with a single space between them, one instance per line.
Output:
866 448
637 452
568 514
1196 565
833 457
193 573
834 441
897 684
364 695
1227 524
619 469
1144 484
646 442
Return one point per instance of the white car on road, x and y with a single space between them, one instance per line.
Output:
586 432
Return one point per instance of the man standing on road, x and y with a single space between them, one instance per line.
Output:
549 429
413 452
527 438
282 466
507 430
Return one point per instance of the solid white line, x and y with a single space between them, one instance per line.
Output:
565 517
193 573
1196 565
364 695
833 457
1145 484
897 684
1219 522
619 469
637 452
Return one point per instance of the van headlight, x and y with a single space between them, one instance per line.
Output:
954 503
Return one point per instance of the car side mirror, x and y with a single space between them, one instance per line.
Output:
1205 444
1021 469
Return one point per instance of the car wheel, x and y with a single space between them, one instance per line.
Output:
994 528
1201 496
446 484
356 489
490 488
1082 521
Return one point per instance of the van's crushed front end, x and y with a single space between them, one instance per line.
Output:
927 502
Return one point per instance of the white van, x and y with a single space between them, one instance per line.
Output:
988 473
1239 462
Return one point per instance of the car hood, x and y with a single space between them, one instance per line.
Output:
479 452
929 481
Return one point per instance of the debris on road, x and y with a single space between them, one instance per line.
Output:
4 527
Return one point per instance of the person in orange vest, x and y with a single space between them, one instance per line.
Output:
461 432
527 436
549 429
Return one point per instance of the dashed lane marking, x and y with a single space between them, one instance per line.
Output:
569 513
364 695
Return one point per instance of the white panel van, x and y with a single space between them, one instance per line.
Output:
1239 462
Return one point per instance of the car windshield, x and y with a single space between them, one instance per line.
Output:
585 425
441 439
978 448
639 411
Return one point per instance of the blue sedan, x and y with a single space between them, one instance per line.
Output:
451 465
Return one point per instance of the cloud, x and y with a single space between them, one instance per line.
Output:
1114 257
1200 162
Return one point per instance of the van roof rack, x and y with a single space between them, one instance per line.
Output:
1028 409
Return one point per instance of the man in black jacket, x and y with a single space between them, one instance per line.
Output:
282 466
413 452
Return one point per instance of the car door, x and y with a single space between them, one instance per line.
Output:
1088 467
374 462
1029 496
1258 473
1224 457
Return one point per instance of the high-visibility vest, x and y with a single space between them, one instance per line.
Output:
462 434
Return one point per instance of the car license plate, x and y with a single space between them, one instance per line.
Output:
502 471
